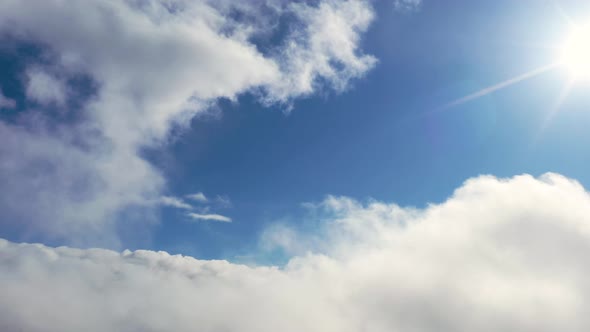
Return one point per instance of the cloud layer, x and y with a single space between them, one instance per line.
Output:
499 255
154 65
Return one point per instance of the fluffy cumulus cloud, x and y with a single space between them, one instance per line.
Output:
153 66
499 255
325 46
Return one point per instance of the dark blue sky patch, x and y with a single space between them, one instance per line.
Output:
16 58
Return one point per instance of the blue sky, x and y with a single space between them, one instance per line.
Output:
310 165
382 138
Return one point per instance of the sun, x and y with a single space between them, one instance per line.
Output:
575 52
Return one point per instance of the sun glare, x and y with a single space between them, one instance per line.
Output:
575 56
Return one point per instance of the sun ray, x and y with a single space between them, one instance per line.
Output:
496 87
565 90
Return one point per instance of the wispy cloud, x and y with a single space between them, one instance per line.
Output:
200 212
199 197
223 201
211 217
407 5
6 102
175 202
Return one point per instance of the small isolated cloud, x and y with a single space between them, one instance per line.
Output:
6 102
198 197
407 5
175 202
209 217
498 255
44 88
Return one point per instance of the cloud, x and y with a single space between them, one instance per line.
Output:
499 255
223 201
155 65
175 202
326 47
44 88
211 217
199 197
6 102
53 187
407 5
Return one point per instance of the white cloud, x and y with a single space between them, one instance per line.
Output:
325 47
499 255
156 64
199 197
175 202
54 187
45 88
210 216
6 102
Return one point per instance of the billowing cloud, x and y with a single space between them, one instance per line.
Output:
208 216
153 65
499 255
